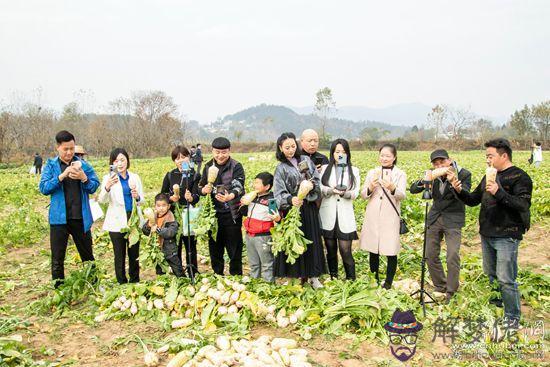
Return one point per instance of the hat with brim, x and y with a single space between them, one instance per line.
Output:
79 149
403 322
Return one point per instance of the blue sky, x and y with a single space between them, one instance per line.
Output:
217 57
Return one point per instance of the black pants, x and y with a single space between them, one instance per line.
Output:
191 255
59 236
170 251
229 238
120 244
374 264
332 246
38 170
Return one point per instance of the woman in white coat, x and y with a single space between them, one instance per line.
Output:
340 185
118 189
384 189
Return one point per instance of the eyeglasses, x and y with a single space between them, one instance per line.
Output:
399 338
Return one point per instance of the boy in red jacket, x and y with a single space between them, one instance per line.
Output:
259 220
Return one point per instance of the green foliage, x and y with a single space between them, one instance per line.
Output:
207 223
287 237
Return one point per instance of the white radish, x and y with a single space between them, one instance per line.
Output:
158 303
151 359
278 343
225 298
223 342
181 323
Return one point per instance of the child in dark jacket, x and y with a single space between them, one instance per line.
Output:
259 220
166 227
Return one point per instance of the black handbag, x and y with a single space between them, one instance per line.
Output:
402 224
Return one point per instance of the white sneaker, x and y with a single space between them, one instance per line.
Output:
315 283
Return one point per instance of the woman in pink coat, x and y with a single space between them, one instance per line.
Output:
380 232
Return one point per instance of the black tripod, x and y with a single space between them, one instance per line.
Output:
426 195
189 265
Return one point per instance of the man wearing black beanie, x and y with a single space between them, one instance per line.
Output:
226 194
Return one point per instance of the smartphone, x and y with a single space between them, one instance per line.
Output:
272 205
220 189
303 166
112 170
342 160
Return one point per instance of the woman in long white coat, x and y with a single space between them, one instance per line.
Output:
384 188
119 189
340 185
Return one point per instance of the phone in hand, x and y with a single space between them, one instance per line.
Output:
303 166
220 189
112 170
272 206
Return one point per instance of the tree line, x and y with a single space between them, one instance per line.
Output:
145 123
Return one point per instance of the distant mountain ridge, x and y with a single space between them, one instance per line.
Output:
405 114
264 123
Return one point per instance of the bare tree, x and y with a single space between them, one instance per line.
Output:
541 116
435 119
459 119
323 103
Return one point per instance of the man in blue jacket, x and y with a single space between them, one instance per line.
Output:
68 180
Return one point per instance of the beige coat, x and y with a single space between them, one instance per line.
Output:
380 232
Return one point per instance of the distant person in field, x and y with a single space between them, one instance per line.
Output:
340 185
505 196
68 180
290 172
537 154
38 163
385 188
119 189
198 158
192 153
445 220
227 190
80 152
187 178
309 141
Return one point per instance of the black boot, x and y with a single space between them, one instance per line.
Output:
350 271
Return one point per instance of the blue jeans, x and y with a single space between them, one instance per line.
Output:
500 262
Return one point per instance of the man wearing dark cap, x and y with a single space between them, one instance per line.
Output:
226 194
445 219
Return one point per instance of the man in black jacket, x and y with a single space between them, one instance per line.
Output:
503 219
445 219
226 195
309 140
38 163
197 157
